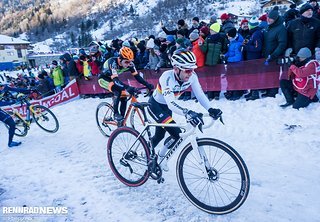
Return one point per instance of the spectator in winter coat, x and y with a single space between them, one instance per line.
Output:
64 68
244 28
213 46
291 14
302 76
275 43
304 31
71 65
195 25
142 57
44 86
234 54
181 26
57 76
213 19
227 24
316 11
94 61
197 41
153 56
252 49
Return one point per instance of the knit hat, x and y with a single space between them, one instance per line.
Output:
304 53
232 32
224 16
205 30
162 35
126 43
150 44
54 62
305 7
263 17
194 35
215 27
254 22
273 14
243 21
181 22
196 19
180 41
170 38
214 18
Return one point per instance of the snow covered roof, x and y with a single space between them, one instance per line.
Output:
4 40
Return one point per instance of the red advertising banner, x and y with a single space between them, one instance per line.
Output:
253 74
70 92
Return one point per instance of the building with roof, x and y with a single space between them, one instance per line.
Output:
283 5
13 52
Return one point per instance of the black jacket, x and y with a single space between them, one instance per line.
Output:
304 32
275 39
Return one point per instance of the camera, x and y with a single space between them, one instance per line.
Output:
286 60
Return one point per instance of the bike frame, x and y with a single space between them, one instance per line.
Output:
29 107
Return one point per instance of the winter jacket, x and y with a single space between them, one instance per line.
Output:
44 87
153 60
174 32
253 49
200 56
244 33
213 46
141 59
302 80
291 14
304 32
95 66
275 39
57 76
234 53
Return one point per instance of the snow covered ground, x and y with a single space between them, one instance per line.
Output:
70 168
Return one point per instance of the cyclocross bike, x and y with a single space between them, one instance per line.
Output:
211 174
105 111
43 117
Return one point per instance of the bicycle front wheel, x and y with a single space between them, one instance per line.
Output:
21 127
128 156
104 119
219 190
45 118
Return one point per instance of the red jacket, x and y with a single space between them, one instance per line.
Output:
95 68
304 78
201 57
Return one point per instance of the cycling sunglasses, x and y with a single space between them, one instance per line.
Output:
188 71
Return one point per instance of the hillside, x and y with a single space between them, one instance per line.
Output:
80 21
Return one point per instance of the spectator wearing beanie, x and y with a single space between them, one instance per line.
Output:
195 25
213 19
57 76
244 28
197 41
252 49
204 32
214 45
153 55
316 11
227 24
181 25
275 43
263 21
234 54
186 41
301 27
291 14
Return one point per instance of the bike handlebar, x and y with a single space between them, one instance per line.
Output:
191 129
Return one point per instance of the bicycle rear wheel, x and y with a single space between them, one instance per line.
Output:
45 118
21 126
128 158
220 190
104 118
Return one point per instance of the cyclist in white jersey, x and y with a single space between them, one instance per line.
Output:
172 84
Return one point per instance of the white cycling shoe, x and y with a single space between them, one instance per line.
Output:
164 164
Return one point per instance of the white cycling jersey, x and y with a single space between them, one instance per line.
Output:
169 89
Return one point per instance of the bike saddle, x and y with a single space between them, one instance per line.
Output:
140 105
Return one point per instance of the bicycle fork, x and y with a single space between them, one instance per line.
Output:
212 173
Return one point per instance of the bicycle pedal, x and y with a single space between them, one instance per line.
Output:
160 180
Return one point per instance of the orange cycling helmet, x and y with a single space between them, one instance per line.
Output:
126 53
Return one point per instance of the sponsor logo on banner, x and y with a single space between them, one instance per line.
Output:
70 92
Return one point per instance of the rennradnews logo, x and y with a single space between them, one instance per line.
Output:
12 211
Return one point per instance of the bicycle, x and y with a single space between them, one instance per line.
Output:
211 174
105 111
39 114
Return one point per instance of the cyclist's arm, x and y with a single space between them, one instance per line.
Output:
19 90
167 85
198 92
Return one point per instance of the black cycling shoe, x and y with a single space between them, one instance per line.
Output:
13 143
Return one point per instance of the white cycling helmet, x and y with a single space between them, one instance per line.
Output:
183 59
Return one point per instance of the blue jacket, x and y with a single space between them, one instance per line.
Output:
253 49
234 53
